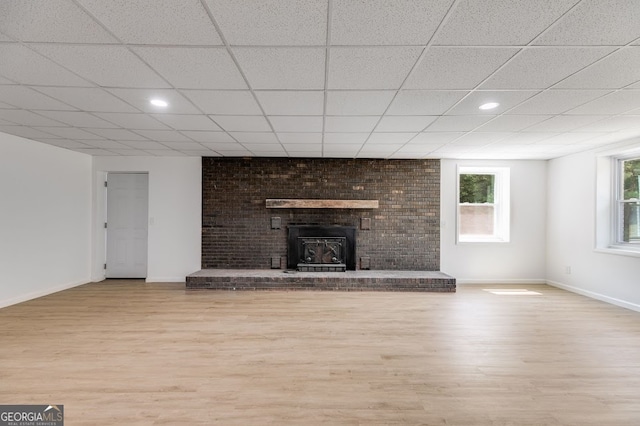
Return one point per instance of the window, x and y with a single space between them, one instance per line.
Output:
627 204
483 204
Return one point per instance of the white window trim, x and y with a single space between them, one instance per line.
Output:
616 237
607 190
502 204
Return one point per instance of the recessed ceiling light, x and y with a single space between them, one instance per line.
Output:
159 102
489 105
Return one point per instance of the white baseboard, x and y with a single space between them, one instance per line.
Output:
166 279
39 293
597 296
502 281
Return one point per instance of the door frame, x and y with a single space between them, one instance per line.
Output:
106 212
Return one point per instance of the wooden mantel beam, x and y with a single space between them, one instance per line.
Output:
279 203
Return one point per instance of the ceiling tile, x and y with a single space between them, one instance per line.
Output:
96 152
99 143
26 118
435 138
87 99
406 123
297 102
345 138
479 138
474 23
144 145
132 121
107 66
596 22
233 102
187 122
458 123
457 68
271 22
78 119
50 21
28 67
223 146
370 67
300 138
141 99
194 67
118 134
164 135
282 67
377 151
617 70
183 146
177 22
165 153
69 132
570 138
564 123
386 22
523 71
506 99
26 132
350 124
613 103
389 138
24 97
340 151
424 102
64 143
512 123
296 124
526 138
200 136
556 101
359 102
264 148
130 152
255 137
613 124
303 148
242 123
413 151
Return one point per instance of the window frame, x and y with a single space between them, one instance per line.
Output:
617 203
501 203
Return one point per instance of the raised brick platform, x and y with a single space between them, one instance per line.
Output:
259 279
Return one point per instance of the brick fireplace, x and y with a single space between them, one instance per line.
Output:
239 231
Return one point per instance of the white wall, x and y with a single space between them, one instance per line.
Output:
522 260
45 219
571 228
175 200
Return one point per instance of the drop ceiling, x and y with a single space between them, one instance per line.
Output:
321 78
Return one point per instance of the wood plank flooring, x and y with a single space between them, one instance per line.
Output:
126 352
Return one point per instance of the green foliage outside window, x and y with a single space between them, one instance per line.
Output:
631 178
477 188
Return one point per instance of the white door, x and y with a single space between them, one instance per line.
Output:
127 230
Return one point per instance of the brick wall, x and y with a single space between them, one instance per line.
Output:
236 226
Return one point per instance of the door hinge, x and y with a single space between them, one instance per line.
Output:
105 266
105 225
105 183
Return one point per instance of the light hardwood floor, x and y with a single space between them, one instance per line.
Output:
126 352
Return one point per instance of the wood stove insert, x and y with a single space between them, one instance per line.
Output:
321 248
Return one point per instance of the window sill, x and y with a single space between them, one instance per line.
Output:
619 250
482 241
